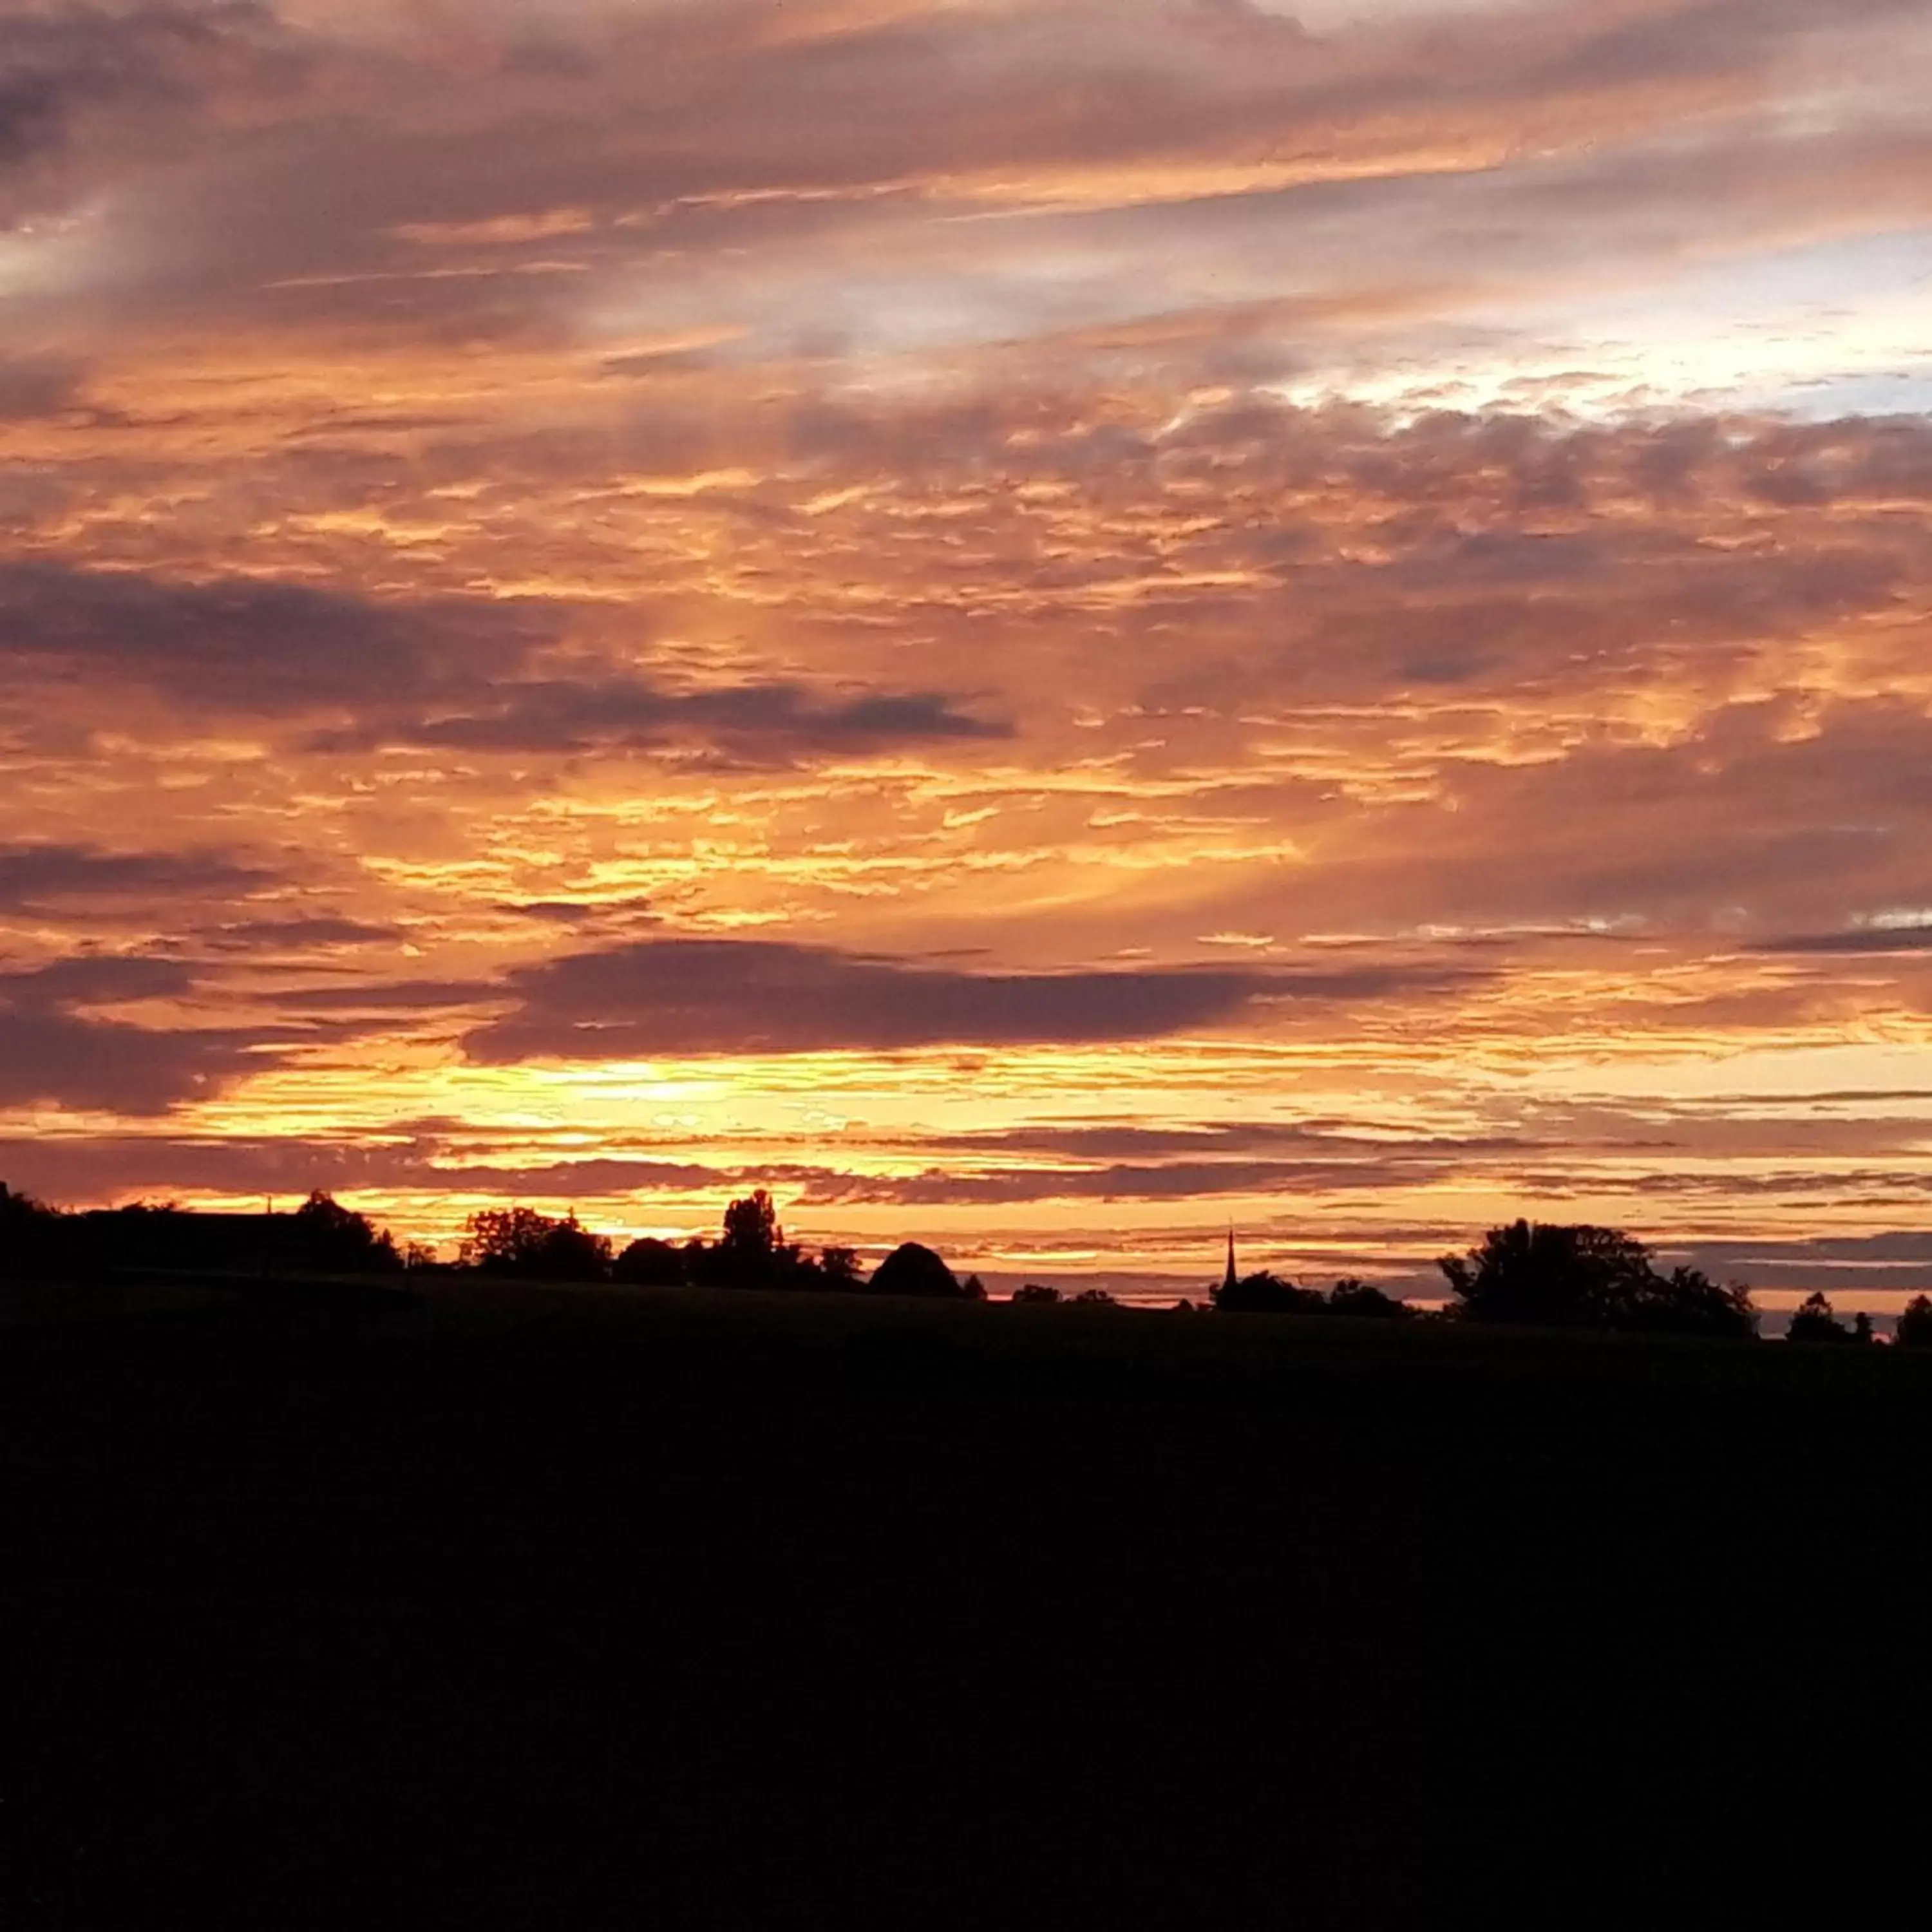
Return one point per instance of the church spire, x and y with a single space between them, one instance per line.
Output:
1231 1279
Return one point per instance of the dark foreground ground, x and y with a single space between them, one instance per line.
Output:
552 1609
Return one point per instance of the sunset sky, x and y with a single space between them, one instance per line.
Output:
1042 624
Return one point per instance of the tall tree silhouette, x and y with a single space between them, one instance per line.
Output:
30 1236
1915 1323
752 1251
752 1235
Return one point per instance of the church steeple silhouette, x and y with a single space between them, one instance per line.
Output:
1231 1279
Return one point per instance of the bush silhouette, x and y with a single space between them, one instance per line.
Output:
911 1269
1363 1298
1814 1320
1264 1293
1036 1292
647 1263
840 1267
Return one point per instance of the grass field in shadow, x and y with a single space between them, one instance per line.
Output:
329 1604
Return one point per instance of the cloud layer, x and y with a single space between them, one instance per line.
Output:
1059 621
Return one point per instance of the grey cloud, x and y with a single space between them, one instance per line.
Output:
1891 1260
276 935
1705 39
92 1167
242 644
53 1051
560 717
444 674
398 996
32 877
96 1168
102 979
1204 1142
708 132
1186 1181
126 80
584 912
68 1060
32 388
1740 830
699 997
1911 939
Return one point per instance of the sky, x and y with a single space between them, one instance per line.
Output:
1044 624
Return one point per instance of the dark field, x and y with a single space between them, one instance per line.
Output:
326 1606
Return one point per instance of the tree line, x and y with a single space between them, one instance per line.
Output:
322 1237
1531 1274
1549 1275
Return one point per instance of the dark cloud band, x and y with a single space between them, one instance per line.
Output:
749 997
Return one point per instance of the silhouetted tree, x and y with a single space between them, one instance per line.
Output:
1094 1297
649 1263
337 1239
1551 1276
1814 1320
1861 1327
753 1252
1035 1293
752 1231
973 1288
1915 1323
1264 1293
1584 1277
1350 1297
519 1241
912 1269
